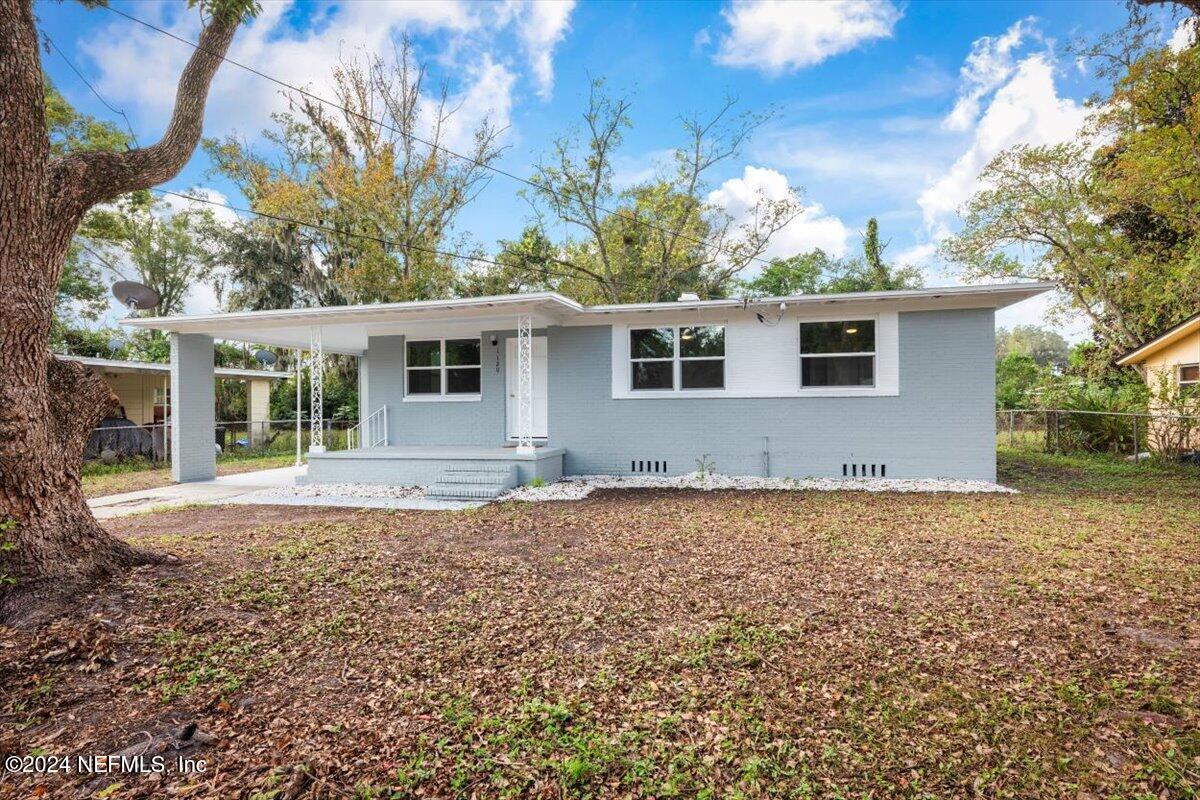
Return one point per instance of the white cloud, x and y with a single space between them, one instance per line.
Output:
813 228
1025 110
138 67
1184 35
918 255
542 26
990 63
225 216
776 36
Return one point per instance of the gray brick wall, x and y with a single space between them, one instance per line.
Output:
440 422
940 425
193 443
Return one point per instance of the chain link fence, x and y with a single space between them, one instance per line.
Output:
123 440
1135 434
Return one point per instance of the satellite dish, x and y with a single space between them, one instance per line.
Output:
265 357
114 345
135 295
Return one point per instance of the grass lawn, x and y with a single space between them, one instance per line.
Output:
132 476
651 644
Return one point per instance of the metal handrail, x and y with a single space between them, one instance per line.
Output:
376 428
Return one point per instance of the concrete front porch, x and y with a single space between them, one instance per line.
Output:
424 465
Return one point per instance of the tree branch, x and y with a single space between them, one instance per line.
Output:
81 180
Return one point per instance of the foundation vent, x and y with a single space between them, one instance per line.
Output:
659 467
861 470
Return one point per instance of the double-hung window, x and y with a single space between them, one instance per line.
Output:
679 357
838 353
442 367
1189 380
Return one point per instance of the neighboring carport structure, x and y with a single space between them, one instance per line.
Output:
143 389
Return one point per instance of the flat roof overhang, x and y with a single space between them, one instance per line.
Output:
153 368
346 329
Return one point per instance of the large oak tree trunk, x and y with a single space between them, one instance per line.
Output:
49 406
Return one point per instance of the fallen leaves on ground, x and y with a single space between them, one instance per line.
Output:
641 644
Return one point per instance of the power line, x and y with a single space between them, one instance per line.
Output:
288 220
446 150
366 236
86 83
102 260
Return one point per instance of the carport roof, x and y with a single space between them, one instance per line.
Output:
155 368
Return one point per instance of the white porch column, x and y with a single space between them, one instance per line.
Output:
316 397
525 383
258 404
193 408
299 405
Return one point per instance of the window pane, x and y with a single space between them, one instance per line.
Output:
462 352
837 337
844 371
424 354
1189 372
708 340
424 381
462 381
652 343
703 374
654 375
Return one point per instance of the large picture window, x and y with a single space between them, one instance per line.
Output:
442 367
683 357
837 353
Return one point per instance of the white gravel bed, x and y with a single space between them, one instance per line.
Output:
350 495
341 490
577 487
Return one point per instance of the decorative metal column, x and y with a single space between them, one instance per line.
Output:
316 382
525 383
299 405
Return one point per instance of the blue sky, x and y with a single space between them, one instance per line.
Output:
881 109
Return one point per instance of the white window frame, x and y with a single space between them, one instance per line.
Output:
676 358
442 396
874 354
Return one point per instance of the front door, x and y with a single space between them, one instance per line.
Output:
540 371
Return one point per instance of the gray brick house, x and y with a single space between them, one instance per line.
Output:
880 384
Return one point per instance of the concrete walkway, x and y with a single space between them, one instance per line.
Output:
264 487
222 489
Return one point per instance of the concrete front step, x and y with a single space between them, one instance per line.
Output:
458 491
466 483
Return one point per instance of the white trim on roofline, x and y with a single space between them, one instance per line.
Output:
569 311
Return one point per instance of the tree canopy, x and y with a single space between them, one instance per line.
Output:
1112 216
815 272
376 167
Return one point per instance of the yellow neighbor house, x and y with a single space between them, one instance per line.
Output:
1170 365
1173 358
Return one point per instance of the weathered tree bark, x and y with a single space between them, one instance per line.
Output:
48 406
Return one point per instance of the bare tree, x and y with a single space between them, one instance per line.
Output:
378 164
48 406
652 240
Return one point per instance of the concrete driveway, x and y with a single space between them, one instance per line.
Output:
214 491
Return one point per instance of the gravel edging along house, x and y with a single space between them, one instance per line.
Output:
580 486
